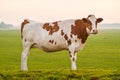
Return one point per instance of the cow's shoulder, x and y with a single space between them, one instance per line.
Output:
79 29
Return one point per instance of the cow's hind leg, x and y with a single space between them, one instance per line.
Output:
24 55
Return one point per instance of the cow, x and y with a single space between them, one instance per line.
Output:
70 35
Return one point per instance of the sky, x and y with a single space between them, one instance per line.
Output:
15 11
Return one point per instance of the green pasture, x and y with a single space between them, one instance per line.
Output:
100 59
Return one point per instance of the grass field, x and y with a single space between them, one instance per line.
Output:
99 60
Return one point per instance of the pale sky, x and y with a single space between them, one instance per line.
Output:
14 11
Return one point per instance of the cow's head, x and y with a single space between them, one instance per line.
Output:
93 21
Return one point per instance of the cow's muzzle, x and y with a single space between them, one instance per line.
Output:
95 32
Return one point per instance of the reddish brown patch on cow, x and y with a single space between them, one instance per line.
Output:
70 53
89 26
79 29
55 43
66 37
25 40
69 42
75 40
47 26
51 41
62 33
51 28
87 23
22 26
73 59
71 36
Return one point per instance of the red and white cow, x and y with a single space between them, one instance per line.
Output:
68 35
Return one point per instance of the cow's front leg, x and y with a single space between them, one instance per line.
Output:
73 61
73 57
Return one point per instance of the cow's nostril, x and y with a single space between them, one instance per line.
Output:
95 31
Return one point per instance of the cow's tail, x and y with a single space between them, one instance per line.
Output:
22 26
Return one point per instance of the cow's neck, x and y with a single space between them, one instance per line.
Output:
80 29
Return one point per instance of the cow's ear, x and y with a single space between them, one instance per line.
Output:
84 19
99 20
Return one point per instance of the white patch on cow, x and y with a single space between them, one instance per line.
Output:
73 65
78 45
93 21
66 26
88 30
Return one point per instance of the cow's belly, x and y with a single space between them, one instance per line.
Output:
52 48
48 47
51 44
